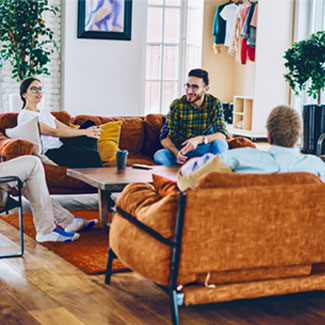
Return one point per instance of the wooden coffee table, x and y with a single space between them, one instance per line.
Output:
109 180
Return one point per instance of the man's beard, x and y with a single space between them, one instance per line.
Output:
196 99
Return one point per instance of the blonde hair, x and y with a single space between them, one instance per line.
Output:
284 126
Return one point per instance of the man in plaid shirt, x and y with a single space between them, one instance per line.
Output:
195 124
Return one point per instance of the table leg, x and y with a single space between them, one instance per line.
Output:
105 205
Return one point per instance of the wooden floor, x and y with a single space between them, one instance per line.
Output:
42 288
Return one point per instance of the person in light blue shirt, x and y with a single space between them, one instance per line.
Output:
284 129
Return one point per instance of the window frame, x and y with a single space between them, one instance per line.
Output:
182 46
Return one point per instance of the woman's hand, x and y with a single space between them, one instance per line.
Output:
93 132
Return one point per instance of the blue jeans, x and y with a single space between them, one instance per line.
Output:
166 157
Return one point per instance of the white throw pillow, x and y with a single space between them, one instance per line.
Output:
29 131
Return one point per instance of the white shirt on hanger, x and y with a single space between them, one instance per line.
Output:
228 14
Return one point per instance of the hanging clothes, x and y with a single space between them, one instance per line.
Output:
219 29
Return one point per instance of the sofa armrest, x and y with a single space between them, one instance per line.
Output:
12 148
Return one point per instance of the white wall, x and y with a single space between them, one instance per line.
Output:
103 77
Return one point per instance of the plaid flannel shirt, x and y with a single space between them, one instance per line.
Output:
185 121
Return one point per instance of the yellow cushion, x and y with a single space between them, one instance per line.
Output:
75 126
109 140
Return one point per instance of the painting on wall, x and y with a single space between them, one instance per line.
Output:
105 19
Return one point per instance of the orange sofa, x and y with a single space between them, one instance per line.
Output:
235 236
139 135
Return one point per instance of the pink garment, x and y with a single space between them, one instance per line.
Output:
243 52
235 47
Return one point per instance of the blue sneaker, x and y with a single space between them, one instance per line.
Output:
80 224
57 235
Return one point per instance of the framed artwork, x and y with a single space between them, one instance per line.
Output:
105 19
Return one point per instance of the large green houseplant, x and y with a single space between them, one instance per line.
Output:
25 40
305 62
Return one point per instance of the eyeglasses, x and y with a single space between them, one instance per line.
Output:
36 89
194 87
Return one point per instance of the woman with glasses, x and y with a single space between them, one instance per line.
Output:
66 146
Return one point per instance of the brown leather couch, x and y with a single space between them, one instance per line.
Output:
235 236
139 135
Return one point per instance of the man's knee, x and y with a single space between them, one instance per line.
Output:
219 146
158 157
164 157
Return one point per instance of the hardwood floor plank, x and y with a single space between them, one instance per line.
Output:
12 313
22 289
55 316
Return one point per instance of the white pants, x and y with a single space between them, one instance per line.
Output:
45 210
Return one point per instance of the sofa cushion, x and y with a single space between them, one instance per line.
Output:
152 126
215 179
240 142
109 140
8 120
132 159
60 183
132 131
13 148
163 185
62 116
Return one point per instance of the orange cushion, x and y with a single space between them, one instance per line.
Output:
163 185
240 143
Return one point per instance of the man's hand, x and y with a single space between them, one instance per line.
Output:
191 144
181 158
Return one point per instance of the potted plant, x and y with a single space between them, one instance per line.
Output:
25 40
305 61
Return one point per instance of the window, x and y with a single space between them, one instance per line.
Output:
173 46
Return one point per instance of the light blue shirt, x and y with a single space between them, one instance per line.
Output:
276 160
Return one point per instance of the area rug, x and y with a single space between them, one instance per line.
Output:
88 253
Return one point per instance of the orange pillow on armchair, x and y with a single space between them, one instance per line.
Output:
163 185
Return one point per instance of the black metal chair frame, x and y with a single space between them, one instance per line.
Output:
11 204
176 297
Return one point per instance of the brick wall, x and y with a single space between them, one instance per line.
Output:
51 83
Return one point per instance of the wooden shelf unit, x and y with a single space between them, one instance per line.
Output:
243 109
